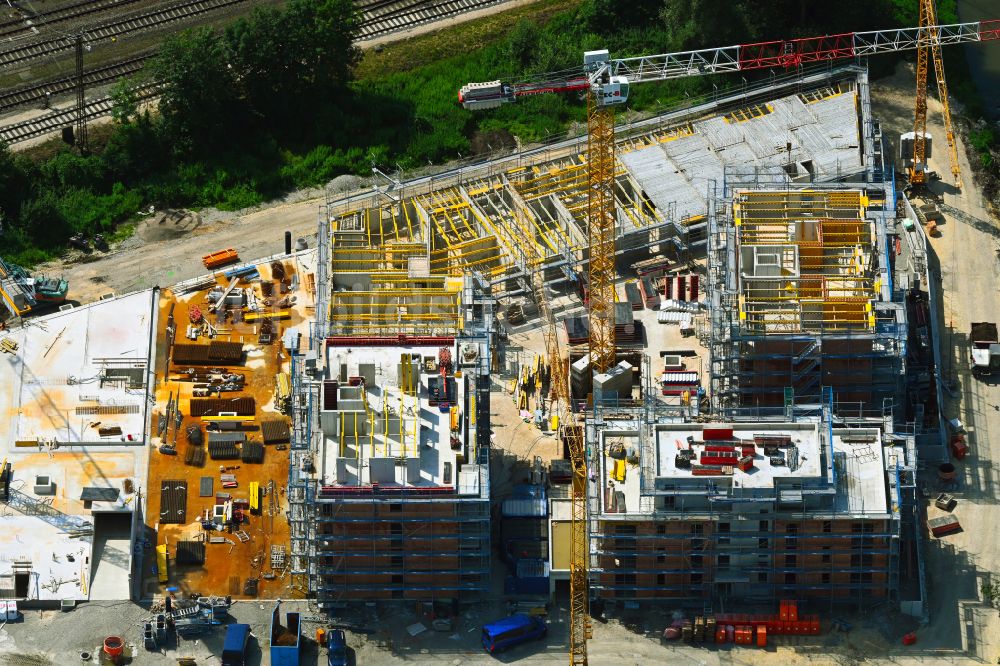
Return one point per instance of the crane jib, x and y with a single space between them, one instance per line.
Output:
762 55
795 52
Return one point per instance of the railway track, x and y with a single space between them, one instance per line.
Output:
76 10
20 54
379 18
50 122
382 18
36 92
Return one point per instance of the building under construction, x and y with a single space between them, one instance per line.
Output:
779 201
389 489
804 487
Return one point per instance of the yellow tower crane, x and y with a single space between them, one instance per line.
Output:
929 47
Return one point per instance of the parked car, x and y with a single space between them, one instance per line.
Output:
336 648
511 631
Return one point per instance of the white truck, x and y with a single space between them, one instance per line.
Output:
985 356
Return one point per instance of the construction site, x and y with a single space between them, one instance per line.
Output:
720 332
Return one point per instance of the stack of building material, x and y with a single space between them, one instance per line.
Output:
190 552
711 470
676 383
673 305
649 289
216 352
173 501
626 328
224 445
944 525
718 455
252 452
685 287
274 431
632 295
194 456
242 406
220 258
577 330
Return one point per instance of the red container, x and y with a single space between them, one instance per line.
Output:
720 447
761 636
909 639
793 610
959 449
745 464
716 433
814 625
720 635
783 610
748 450
114 646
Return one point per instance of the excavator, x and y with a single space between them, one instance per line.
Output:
20 293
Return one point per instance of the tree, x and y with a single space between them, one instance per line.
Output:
15 185
125 102
288 60
522 44
198 99
990 590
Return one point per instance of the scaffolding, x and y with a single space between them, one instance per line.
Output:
385 545
709 544
800 294
301 487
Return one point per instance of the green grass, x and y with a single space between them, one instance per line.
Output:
464 38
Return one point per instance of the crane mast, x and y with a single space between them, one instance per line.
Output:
601 231
930 48
606 82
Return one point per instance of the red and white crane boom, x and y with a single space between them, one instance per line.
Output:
622 72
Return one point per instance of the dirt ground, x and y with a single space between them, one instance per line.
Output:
967 269
167 246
